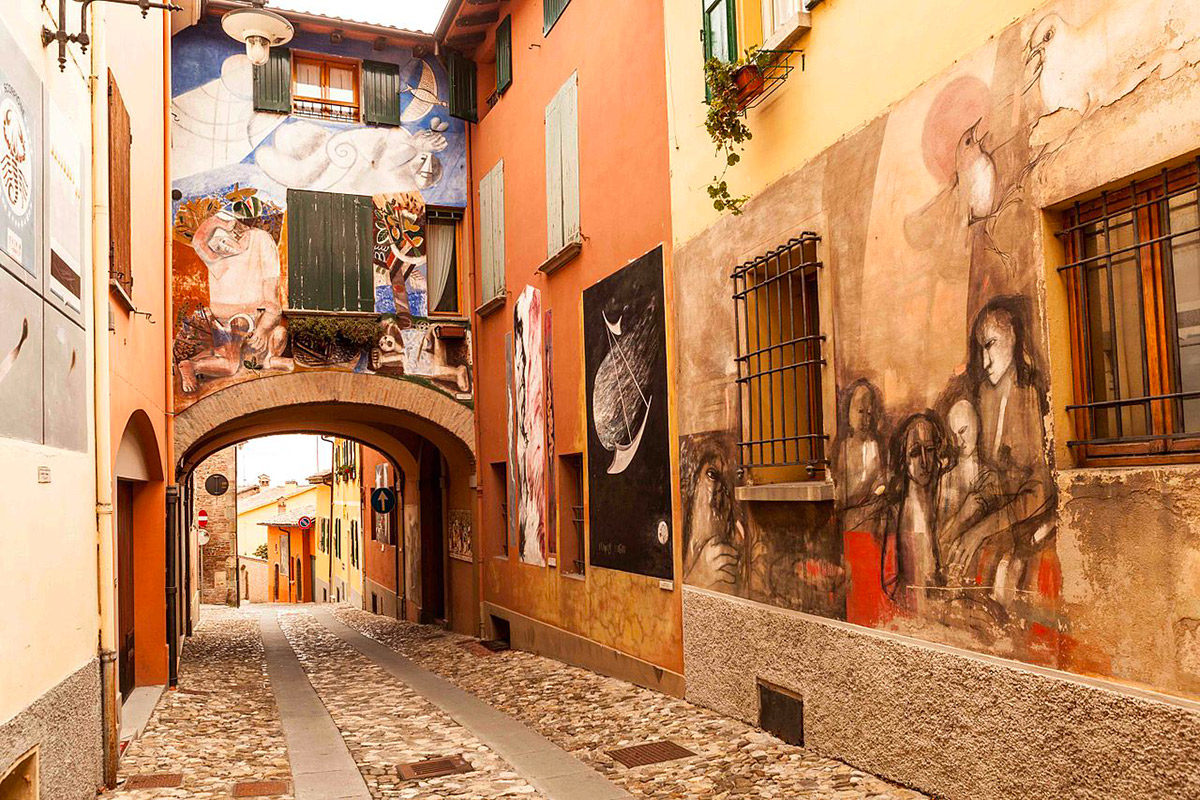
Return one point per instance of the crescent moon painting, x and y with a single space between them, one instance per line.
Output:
628 443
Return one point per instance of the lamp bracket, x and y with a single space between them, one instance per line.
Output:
63 38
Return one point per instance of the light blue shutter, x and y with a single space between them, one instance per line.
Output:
554 190
491 223
568 115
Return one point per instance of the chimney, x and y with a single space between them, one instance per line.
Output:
264 480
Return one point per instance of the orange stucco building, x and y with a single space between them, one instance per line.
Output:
547 227
290 555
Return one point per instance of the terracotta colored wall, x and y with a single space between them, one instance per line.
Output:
138 345
379 559
624 205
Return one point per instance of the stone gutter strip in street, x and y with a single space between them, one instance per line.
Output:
553 771
322 767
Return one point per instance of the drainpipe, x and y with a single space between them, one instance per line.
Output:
174 514
105 540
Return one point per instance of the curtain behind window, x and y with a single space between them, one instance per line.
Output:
440 263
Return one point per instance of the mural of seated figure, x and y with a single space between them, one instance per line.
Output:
245 312
968 491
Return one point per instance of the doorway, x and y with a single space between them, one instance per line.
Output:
125 584
433 548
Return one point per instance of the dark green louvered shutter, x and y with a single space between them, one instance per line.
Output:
273 82
504 74
462 86
331 240
551 11
380 93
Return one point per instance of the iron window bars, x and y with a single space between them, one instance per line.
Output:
1136 354
779 358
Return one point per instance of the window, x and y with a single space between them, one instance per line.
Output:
1133 288
461 71
570 487
504 75
777 12
562 167
325 88
353 543
337 538
331 240
779 359
500 519
321 534
441 258
120 144
720 30
491 229
551 11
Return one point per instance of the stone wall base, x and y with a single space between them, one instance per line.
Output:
385 599
529 634
951 723
65 725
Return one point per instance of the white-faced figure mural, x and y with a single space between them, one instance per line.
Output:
245 310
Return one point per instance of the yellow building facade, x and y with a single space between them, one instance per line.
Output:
255 510
930 367
339 564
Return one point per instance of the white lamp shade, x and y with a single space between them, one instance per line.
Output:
249 25
258 50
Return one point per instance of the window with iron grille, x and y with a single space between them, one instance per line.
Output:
779 360
1133 288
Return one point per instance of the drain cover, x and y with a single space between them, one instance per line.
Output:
154 780
495 645
434 768
650 753
260 788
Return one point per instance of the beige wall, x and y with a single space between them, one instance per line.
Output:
49 528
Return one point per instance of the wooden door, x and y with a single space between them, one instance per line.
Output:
125 583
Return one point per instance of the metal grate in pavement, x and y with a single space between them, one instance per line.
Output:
261 788
154 780
434 768
650 753
495 645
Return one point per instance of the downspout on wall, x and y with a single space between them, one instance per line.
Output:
105 540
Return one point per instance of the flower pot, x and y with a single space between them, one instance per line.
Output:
749 82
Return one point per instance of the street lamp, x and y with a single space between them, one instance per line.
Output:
258 28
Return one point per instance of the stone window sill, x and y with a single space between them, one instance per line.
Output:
789 31
495 303
564 256
796 492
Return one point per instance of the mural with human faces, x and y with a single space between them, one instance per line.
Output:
944 519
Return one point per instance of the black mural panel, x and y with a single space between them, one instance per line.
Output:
629 465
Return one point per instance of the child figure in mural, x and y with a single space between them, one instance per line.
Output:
244 302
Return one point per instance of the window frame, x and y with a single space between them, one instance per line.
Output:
454 216
1146 201
325 62
706 32
757 435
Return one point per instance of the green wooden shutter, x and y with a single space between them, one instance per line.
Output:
273 82
380 93
504 75
720 29
330 250
551 11
462 86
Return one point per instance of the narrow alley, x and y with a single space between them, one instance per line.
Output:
233 722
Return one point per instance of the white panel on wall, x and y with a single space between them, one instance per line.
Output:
569 115
554 189
491 223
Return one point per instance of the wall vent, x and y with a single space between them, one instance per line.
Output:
781 712
20 782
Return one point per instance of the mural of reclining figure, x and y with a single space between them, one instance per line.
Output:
244 300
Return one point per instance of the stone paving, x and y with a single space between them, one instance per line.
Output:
221 726
385 724
587 714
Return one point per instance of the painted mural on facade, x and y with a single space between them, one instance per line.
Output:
232 169
529 427
944 521
628 455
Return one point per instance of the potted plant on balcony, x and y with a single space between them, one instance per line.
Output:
731 87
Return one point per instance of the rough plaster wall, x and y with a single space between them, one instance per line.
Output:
944 721
218 579
1130 539
65 725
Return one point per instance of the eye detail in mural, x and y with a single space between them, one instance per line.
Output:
16 167
633 414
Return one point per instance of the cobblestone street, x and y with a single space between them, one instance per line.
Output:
222 726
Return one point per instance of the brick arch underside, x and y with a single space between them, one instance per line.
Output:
383 413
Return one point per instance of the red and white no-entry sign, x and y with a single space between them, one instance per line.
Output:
202 518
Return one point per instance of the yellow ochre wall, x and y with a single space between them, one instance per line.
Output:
251 533
843 86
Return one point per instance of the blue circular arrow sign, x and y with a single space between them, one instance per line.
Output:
383 500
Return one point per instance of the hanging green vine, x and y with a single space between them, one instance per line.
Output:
724 121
